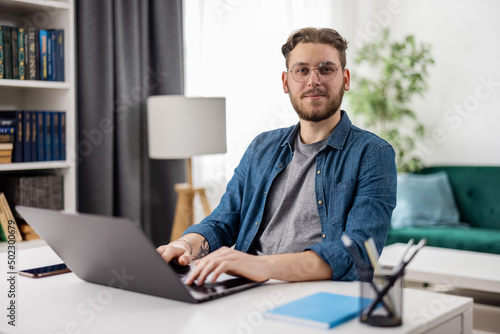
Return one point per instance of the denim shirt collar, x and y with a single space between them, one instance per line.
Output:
337 138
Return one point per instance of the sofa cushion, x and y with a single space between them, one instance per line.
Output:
424 200
477 193
472 239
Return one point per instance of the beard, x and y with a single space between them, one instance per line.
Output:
315 112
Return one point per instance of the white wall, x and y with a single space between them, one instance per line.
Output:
461 109
233 49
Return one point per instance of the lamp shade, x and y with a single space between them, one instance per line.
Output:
180 127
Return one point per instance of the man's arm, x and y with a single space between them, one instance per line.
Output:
190 247
305 266
369 215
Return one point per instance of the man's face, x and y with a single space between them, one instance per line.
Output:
315 99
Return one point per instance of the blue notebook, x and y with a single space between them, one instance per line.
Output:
321 309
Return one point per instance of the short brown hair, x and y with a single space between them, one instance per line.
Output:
313 35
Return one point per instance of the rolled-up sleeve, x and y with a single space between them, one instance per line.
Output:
222 226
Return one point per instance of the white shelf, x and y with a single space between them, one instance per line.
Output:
34 84
45 95
30 6
35 165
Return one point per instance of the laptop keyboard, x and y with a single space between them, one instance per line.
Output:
209 290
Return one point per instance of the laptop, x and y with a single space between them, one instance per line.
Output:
115 252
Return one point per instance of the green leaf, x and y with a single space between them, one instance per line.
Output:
399 72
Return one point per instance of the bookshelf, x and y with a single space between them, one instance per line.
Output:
45 95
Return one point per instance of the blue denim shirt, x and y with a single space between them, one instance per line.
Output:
355 189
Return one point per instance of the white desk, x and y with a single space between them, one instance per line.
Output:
457 268
66 304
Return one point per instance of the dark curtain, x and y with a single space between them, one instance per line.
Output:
127 50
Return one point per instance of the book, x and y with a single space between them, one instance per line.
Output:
41 135
62 134
14 51
27 136
60 55
31 54
4 225
43 54
51 42
1 53
7 51
7 122
34 136
37 52
18 142
5 151
7 138
21 53
47 139
5 156
56 155
7 129
322 310
28 232
11 225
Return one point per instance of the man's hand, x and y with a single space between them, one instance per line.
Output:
305 266
191 246
176 252
230 261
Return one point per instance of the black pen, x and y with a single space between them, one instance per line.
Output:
393 278
364 271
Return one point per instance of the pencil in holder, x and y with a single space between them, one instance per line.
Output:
382 300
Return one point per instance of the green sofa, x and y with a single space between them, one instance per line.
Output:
477 195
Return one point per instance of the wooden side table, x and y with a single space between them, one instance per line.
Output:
184 210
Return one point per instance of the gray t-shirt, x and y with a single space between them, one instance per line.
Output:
291 221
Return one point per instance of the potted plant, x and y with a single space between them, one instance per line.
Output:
397 72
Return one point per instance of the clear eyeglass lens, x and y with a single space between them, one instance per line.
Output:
326 72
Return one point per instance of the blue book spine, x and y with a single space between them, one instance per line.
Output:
7 130
27 136
43 54
62 134
7 122
60 55
41 135
48 136
51 44
1 54
34 136
56 150
17 155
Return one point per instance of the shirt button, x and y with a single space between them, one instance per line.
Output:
319 172
279 166
257 223
324 235
320 202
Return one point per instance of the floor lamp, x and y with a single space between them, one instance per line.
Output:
180 128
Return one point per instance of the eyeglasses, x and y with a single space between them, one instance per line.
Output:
326 71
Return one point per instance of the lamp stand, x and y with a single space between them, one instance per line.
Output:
184 210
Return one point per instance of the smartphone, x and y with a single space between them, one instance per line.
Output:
45 271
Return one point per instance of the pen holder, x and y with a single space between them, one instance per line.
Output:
382 300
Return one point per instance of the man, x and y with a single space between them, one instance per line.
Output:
297 190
